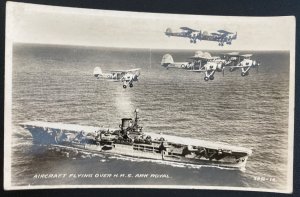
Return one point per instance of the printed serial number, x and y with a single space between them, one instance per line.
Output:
262 178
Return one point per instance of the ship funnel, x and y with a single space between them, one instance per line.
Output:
126 122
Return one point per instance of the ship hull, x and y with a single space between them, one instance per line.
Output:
56 137
73 150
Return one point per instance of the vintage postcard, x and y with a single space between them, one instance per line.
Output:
111 99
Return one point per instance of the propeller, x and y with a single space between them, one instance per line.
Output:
223 70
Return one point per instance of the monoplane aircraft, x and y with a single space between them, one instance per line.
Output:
125 76
185 33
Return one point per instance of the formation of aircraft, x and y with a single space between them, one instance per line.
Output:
203 62
127 77
220 36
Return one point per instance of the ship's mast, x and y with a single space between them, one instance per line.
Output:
136 117
136 127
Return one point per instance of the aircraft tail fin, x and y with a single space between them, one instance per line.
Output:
199 35
168 31
235 36
166 60
97 72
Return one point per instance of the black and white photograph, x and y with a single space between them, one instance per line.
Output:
117 99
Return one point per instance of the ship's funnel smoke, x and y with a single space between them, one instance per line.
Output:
123 103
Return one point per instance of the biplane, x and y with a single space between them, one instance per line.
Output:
244 62
221 36
185 33
195 63
125 76
212 65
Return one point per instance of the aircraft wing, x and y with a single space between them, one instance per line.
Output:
188 29
201 58
224 32
133 70
118 71
205 56
201 70
239 66
197 58
232 54
246 55
125 71
215 34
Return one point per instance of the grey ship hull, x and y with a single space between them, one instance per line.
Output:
61 137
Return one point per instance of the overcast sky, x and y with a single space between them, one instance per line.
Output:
31 23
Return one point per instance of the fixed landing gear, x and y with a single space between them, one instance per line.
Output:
193 41
207 78
130 85
243 74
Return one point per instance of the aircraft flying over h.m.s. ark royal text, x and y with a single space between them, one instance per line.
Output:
125 76
221 36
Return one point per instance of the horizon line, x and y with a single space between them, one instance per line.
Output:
114 47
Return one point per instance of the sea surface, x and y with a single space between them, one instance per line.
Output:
56 84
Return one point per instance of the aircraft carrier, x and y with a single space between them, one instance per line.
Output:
130 140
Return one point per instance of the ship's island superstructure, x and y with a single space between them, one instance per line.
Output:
130 140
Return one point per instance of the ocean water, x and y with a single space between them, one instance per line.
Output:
56 84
